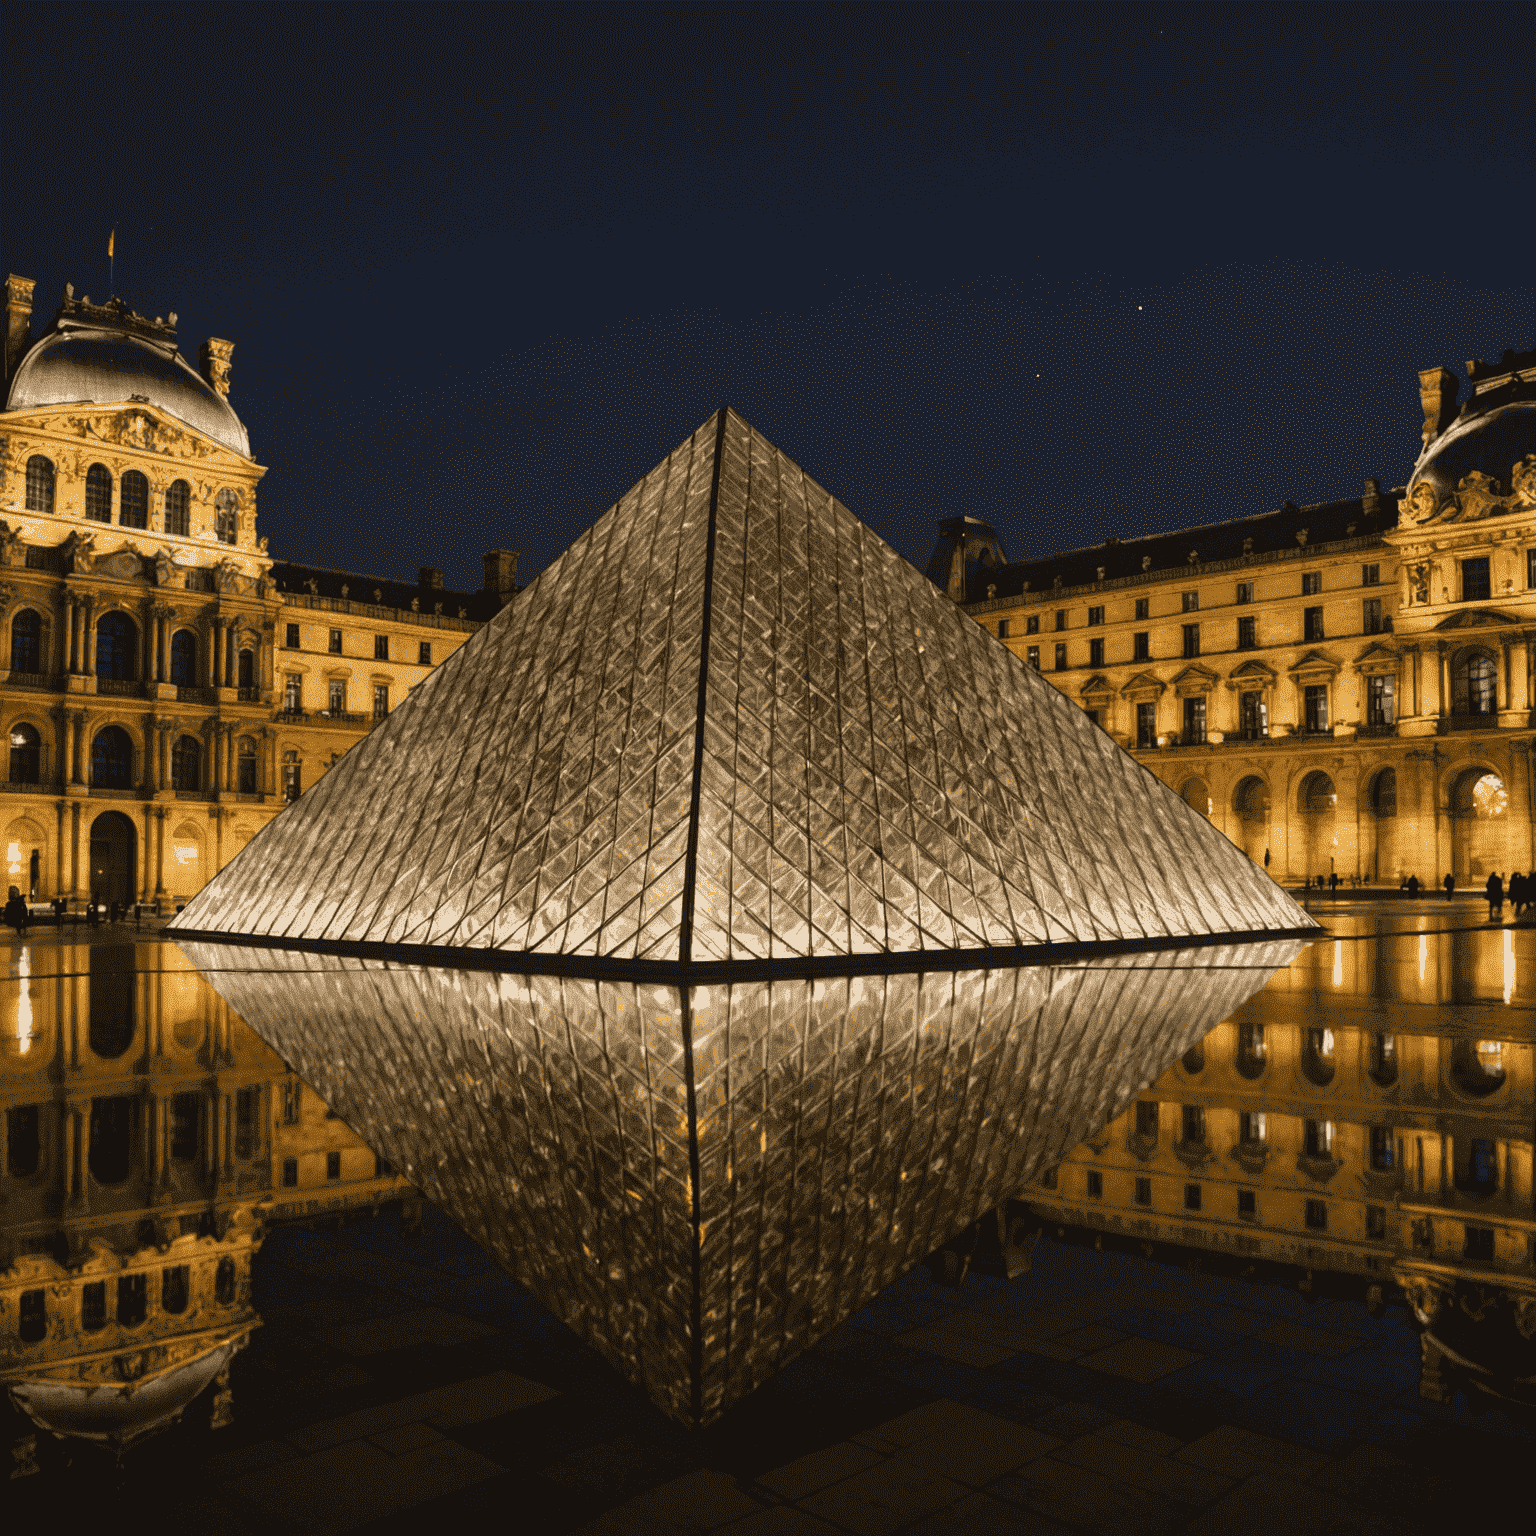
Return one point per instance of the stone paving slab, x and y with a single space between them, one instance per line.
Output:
425 1325
1141 1360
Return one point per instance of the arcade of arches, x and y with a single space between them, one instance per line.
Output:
1378 822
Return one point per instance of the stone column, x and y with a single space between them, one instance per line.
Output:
74 631
217 818
159 852
90 637
144 853
230 777
74 857
163 731
61 857
67 760
216 767
230 636
1501 676
1443 680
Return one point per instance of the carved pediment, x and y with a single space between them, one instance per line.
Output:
1314 664
1252 674
1194 680
1376 658
1144 683
1478 618
1097 686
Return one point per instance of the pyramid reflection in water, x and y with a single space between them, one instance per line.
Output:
844 1127
853 915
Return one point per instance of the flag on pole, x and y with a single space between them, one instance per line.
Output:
110 240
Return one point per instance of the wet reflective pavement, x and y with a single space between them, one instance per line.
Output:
382 1372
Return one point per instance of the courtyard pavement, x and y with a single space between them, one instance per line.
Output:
407 1384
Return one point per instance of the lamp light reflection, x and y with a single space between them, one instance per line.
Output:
1509 965
24 1029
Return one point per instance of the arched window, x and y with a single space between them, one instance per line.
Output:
247 669
227 507
39 484
26 754
27 642
1475 690
1196 794
117 647
133 503
1384 793
178 508
245 765
186 763
1318 795
98 493
112 759
184 659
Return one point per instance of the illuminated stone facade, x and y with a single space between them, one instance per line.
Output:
1343 688
148 1136
164 687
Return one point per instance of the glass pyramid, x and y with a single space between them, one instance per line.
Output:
729 923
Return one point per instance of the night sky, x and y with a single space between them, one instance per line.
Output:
1081 270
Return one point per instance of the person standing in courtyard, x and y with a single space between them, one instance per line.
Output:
1413 887
1450 886
1333 883
1495 897
1516 892
16 913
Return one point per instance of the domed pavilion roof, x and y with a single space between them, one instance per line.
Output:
107 355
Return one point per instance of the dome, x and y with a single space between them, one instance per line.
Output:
1491 436
101 364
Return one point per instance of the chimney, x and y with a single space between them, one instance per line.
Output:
18 321
501 575
213 363
429 578
1438 388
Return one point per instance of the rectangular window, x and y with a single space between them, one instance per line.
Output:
1141 643
424 654
184 1114
335 642
174 1288
1032 656
337 697
132 1299
1371 615
1245 591
1146 726
293 693
1312 629
1002 629
1097 716
292 641
1370 575
1191 1197
290 1172
1146 1119
1061 618
1474 581
1380 700
292 1090
1383 1148
1484 1165
1191 601
1194 722
1191 640
1194 1123
93 1306
1095 616
1318 1138
1376 1223
1317 708
1253 715
1311 583
246 1101
1479 1245
1143 607
1143 1191
1061 656
1032 624
1095 1184
1252 1126
1095 653
1247 1205
333 1165
380 701
1317 1215
381 647
1248 634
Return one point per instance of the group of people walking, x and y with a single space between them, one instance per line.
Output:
1520 892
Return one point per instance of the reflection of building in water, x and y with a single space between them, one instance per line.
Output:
146 1134
1369 1113
1346 687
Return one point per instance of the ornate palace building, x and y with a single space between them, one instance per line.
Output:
1343 688
165 688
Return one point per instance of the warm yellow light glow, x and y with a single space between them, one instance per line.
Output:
1423 953
24 1002
1338 962
1509 965
184 853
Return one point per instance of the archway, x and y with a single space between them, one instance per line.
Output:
117 647
24 845
1315 802
1479 826
1196 794
1250 803
114 846
1379 855
184 659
